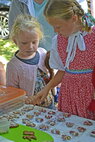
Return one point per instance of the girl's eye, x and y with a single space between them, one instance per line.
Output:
24 42
34 42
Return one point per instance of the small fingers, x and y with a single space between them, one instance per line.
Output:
30 101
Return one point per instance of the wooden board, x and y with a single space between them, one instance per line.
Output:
16 134
10 94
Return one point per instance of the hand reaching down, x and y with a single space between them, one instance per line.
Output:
37 99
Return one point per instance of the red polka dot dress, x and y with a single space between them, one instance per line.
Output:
93 77
77 90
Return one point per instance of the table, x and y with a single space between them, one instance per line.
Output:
23 114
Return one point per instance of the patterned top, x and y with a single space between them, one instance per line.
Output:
83 59
93 77
26 76
76 90
40 83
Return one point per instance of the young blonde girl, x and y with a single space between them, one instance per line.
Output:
35 8
73 54
23 70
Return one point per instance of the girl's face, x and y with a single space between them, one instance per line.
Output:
27 42
61 26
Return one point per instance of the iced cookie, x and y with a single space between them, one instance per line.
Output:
88 123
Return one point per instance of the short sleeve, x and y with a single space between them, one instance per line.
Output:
55 60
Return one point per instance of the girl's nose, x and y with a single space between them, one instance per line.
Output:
31 45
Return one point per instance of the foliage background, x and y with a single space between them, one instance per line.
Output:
7 49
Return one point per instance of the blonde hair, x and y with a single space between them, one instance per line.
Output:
26 23
65 9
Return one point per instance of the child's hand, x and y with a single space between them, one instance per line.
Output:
34 100
30 100
41 96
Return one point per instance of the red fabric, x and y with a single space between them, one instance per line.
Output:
77 89
93 78
91 107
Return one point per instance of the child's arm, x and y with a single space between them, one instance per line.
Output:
39 98
2 74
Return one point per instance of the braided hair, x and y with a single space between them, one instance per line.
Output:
65 9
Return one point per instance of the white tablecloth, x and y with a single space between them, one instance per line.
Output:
61 126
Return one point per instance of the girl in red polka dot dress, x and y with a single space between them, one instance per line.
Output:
73 55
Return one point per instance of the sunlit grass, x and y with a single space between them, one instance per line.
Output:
7 49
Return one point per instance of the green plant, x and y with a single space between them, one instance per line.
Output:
7 49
